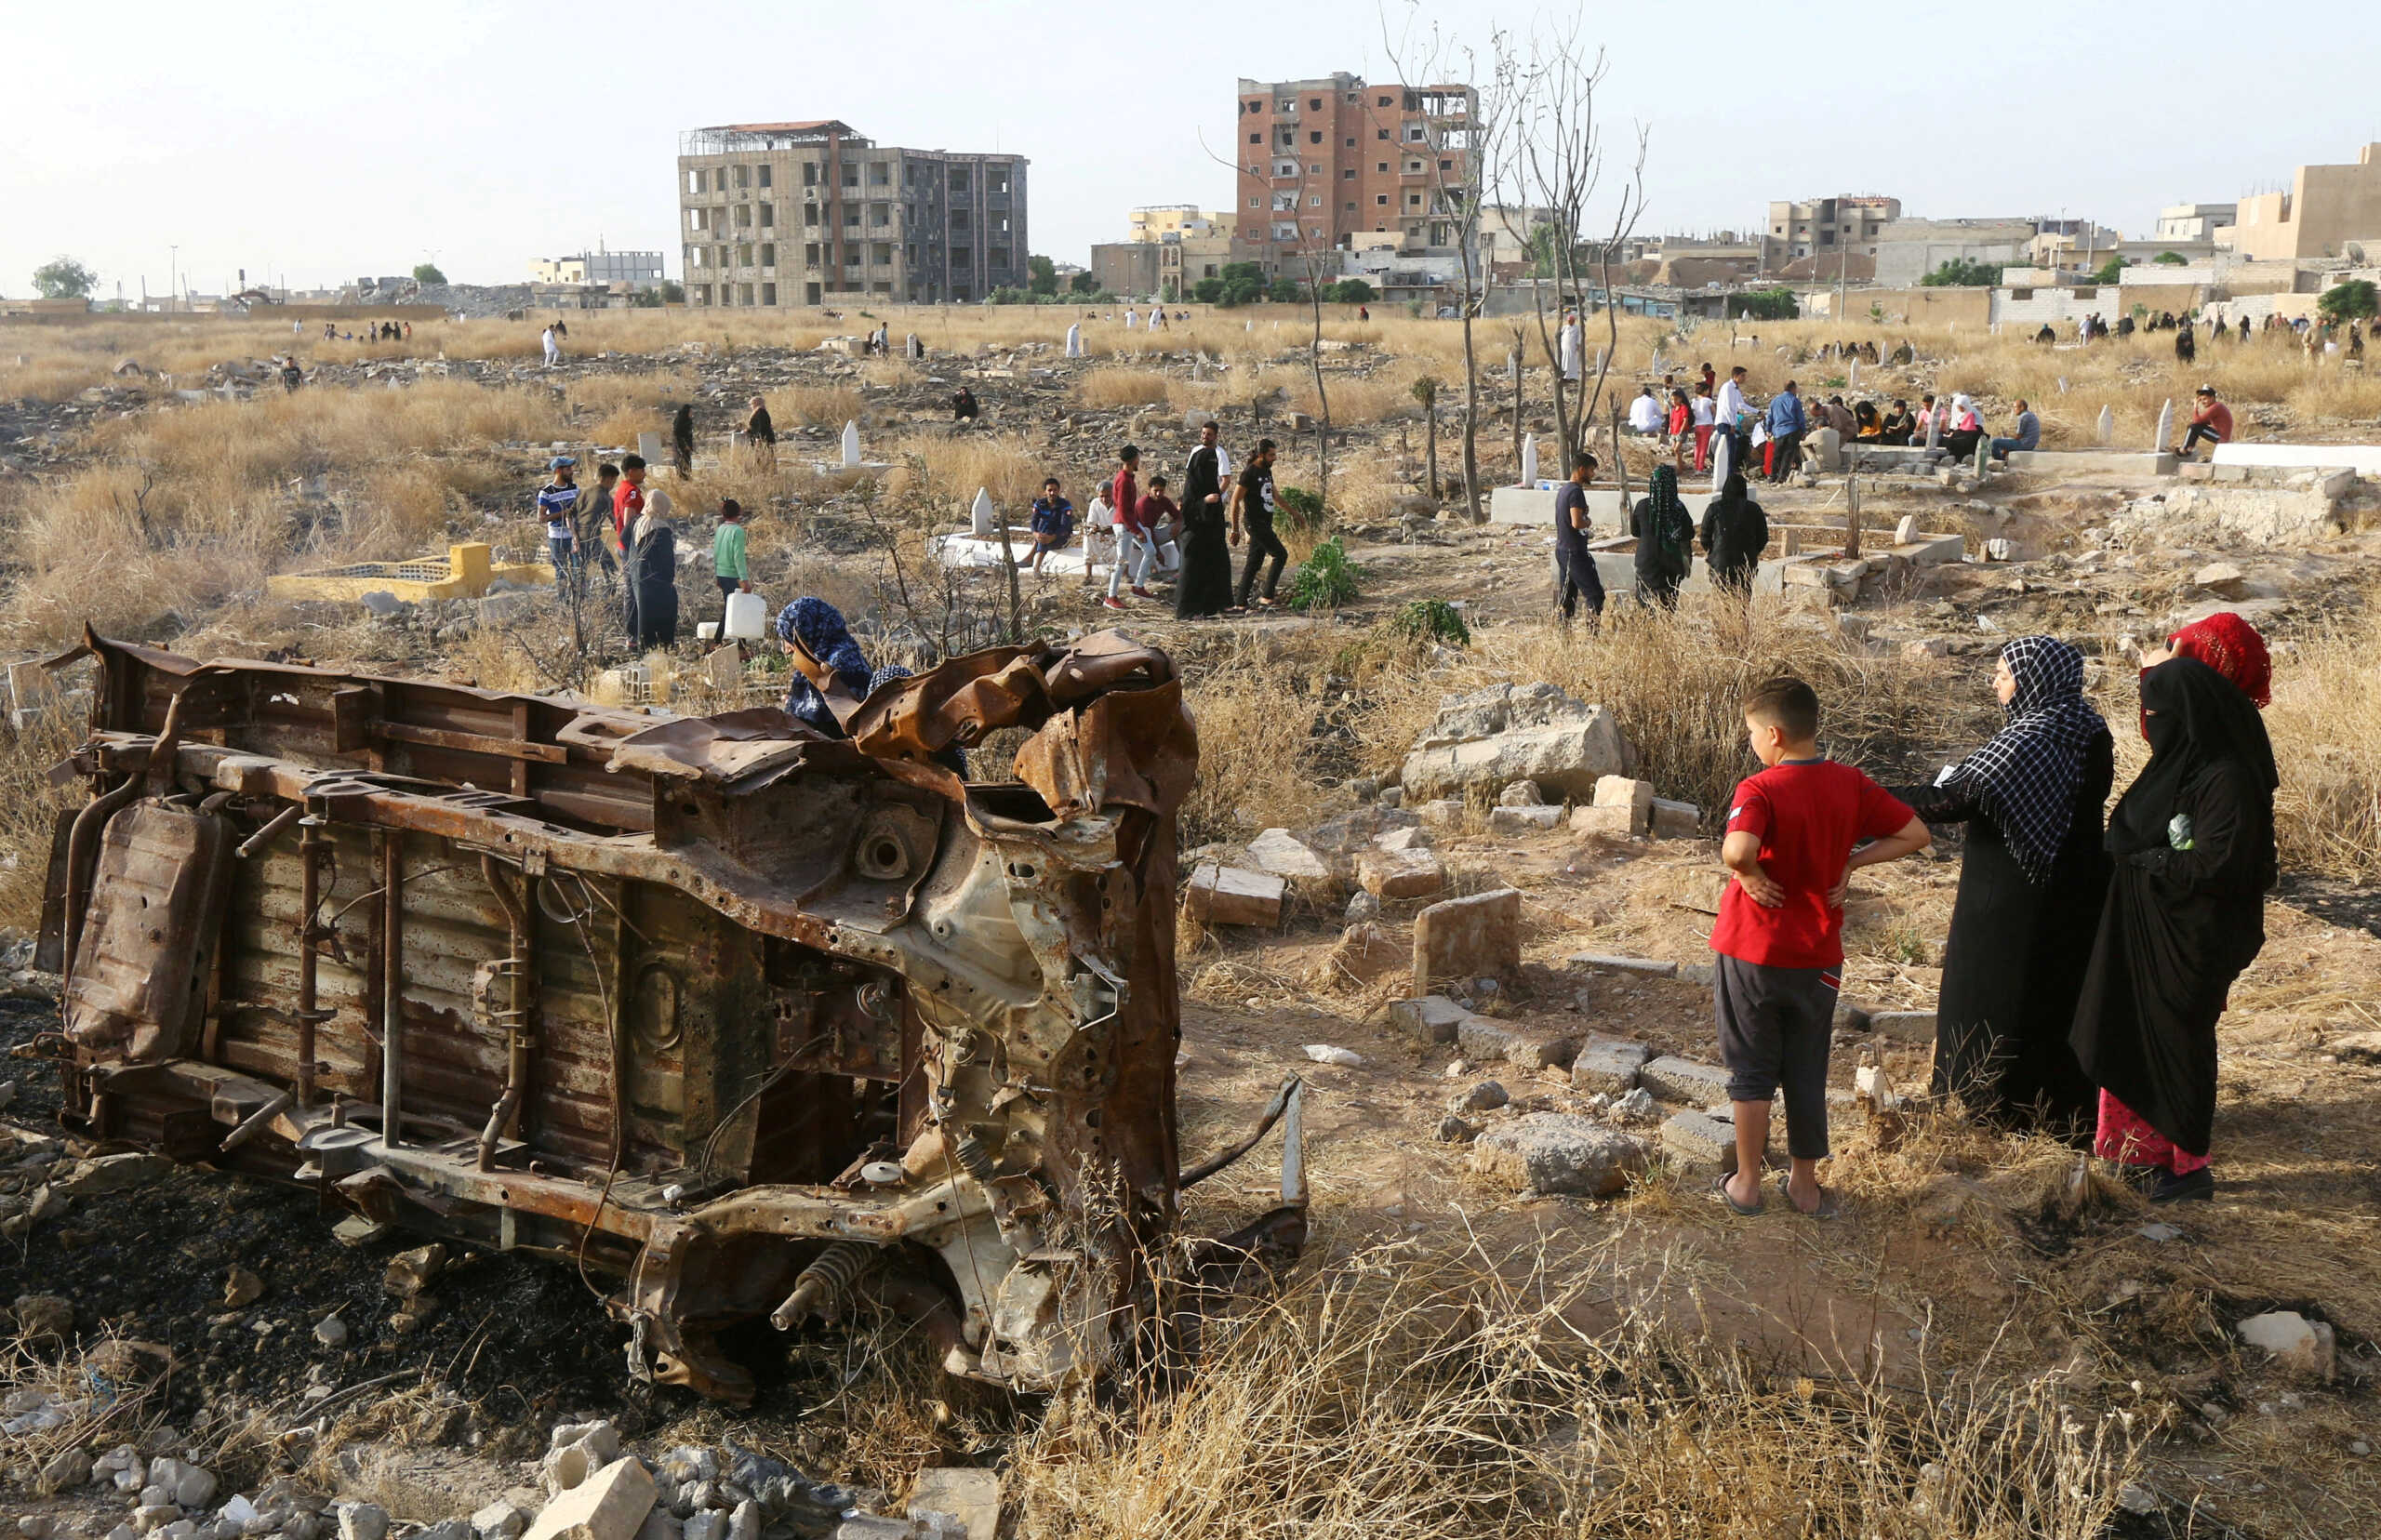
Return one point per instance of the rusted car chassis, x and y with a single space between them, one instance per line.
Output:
750 1019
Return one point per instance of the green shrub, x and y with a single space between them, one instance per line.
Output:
1426 620
1326 580
2354 300
1298 508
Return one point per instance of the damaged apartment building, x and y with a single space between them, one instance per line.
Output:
1336 163
782 214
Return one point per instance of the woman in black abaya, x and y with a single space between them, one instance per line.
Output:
1204 587
2193 843
2031 885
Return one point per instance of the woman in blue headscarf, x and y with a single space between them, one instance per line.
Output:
827 663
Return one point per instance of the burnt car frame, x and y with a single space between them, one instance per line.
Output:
744 1018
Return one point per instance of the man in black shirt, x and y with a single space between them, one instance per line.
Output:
1575 564
1251 503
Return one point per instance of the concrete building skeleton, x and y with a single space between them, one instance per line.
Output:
783 214
1324 160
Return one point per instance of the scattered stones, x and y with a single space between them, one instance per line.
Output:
2310 1347
68 1468
1492 737
1323 1053
1558 1152
363 1522
1676 820
1608 1065
1456 1130
1637 796
1363 908
1520 794
45 1318
972 1497
500 1520
409 1272
331 1332
1684 1079
2135 1498
2159 1231
1400 873
2221 578
1416 838
1282 853
1485 1039
577 1451
609 1505
1523 820
1701 1139
1232 896
1467 937
1619 823
1432 1018
1904 1025
1633 1106
112 1174
242 1289
1650 967
1487 1097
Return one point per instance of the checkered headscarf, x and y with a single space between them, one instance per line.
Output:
2025 777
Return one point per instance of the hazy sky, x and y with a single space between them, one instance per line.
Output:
321 142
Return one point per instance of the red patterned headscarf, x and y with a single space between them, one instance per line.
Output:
2232 647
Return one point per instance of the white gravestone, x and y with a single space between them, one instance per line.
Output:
851 445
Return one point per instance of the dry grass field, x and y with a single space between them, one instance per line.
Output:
1990 1346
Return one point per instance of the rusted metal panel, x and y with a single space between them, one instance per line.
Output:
708 1001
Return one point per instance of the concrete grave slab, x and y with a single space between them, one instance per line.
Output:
1479 936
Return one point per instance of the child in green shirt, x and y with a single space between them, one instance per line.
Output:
728 567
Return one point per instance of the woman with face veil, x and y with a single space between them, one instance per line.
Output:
2032 881
2194 850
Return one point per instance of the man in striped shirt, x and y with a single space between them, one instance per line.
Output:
558 502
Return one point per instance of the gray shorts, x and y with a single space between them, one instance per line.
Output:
1776 1027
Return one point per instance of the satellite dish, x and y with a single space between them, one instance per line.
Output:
2356 252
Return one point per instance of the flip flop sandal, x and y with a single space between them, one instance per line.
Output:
1829 1208
1720 1186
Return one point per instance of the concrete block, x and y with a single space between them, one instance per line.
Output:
1558 1152
1904 1025
1285 856
1635 795
1676 820
1651 967
1700 1139
1681 1080
1400 873
610 1505
1432 1018
1609 1065
971 1496
1232 896
1468 937
1487 1041
1619 823
1524 821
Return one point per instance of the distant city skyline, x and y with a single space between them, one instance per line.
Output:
316 145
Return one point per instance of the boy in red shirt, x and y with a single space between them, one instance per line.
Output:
628 499
1791 831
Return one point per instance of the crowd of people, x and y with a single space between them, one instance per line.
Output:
2088 961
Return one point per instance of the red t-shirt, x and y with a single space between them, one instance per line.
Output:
2217 416
1126 501
628 502
1809 815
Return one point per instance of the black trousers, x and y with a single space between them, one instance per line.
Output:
1775 1028
1785 455
1574 574
2199 431
1263 545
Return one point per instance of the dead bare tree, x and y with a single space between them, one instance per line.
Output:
1458 147
1556 165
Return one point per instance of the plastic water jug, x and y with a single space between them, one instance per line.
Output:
747 617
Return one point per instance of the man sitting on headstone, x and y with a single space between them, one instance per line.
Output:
1053 522
2030 433
2212 422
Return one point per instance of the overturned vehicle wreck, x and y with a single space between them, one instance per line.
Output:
750 1020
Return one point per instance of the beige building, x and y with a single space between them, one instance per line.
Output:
1174 221
636 269
784 214
1824 226
2327 209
